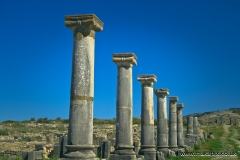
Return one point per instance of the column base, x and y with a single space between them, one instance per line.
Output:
80 152
124 150
146 148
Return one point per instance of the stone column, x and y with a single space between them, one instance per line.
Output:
147 114
198 127
180 140
80 130
172 141
190 125
162 130
124 141
195 125
205 135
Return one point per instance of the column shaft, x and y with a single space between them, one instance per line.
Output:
195 126
124 140
147 114
190 125
180 140
173 124
124 106
80 128
162 130
162 139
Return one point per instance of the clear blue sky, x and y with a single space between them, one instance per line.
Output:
193 47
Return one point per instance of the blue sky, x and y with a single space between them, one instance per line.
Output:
193 47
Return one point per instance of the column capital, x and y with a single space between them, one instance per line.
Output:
173 98
180 106
161 92
87 20
147 79
125 59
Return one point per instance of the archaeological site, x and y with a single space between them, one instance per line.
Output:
168 135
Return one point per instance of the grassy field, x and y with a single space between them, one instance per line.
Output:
227 138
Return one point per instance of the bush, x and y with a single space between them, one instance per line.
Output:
67 121
136 120
43 120
9 121
58 119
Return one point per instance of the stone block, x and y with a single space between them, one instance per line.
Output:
39 146
35 155
98 151
56 151
171 153
62 143
106 147
24 155
160 155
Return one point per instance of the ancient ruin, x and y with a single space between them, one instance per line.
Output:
147 115
172 141
124 142
162 126
121 141
82 85
180 138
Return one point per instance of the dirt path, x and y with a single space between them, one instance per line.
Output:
228 147
234 137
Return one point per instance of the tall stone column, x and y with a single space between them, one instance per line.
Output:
162 130
147 114
80 129
195 125
190 125
124 140
172 141
180 140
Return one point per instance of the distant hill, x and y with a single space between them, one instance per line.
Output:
232 115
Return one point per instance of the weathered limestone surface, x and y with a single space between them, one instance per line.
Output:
136 145
191 138
162 130
35 155
195 126
106 147
180 138
124 141
205 135
80 129
147 115
173 124
190 125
